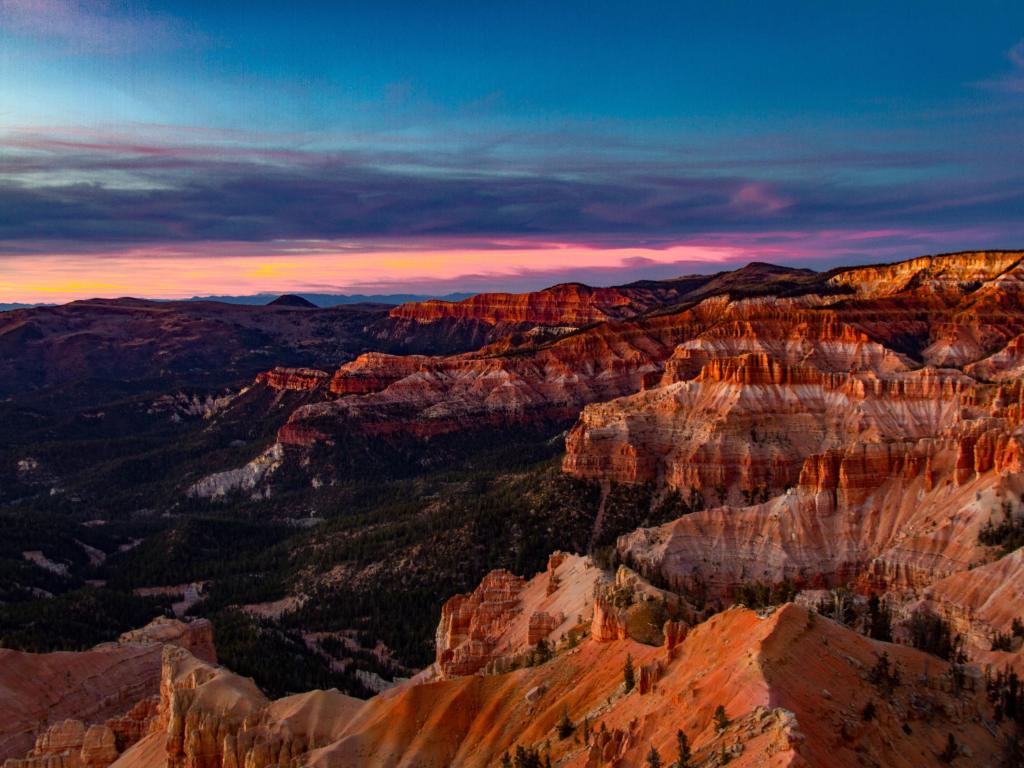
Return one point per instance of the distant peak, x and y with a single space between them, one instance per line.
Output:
291 300
764 266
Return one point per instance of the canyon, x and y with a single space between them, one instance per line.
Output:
793 495
779 710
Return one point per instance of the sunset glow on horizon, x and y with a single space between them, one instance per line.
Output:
172 274
394 148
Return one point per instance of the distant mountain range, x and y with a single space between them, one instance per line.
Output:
318 299
334 299
5 307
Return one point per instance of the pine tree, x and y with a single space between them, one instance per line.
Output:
653 758
721 719
868 714
880 620
628 674
541 653
527 758
683 745
565 725
952 750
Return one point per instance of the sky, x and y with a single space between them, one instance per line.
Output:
172 149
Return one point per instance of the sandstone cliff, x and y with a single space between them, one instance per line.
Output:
92 690
507 615
877 331
294 379
781 710
487 317
823 452
943 272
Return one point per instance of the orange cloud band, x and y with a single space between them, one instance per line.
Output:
168 272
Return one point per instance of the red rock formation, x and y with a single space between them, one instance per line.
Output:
875 527
815 347
374 371
649 676
294 379
422 397
982 601
301 435
543 624
507 615
101 687
70 744
631 607
1007 363
469 623
675 633
746 401
196 637
861 454
491 317
607 624
565 304
758 668
937 272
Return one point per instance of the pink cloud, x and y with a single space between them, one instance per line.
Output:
757 198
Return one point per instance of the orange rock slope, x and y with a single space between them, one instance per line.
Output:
92 699
781 711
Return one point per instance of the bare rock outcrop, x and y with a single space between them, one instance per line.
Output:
507 615
768 672
630 607
247 478
947 271
466 636
196 636
294 379
981 602
55 700
208 717
488 317
71 744
823 455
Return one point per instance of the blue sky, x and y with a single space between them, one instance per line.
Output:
613 136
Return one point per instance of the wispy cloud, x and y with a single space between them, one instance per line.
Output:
89 26
1011 81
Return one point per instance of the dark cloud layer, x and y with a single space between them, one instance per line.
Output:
99 194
